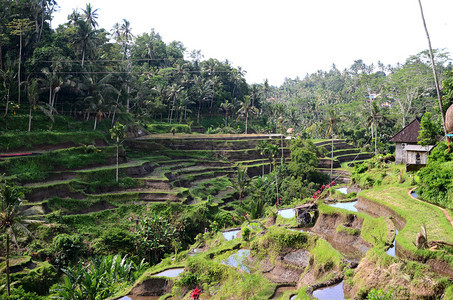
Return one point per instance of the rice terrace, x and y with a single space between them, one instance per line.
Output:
131 169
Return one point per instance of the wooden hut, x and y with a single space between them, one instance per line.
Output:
407 151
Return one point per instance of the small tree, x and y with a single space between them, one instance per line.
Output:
241 182
117 131
155 234
12 219
430 130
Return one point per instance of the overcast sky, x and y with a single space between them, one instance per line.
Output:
286 38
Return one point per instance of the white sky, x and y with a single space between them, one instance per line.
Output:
286 38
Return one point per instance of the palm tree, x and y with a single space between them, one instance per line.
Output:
272 151
246 109
91 15
100 94
20 27
12 219
330 124
255 94
374 119
8 76
84 37
436 81
122 33
237 77
54 83
262 146
173 94
202 92
74 17
226 106
241 182
117 132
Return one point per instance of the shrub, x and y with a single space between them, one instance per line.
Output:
246 233
115 240
379 295
67 249
20 294
40 279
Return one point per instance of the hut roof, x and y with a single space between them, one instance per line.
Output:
408 134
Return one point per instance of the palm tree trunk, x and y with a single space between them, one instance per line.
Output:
331 160
276 177
7 265
375 140
226 120
7 99
117 156
199 110
436 81
18 70
246 119
29 118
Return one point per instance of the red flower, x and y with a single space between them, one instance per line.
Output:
195 293
323 186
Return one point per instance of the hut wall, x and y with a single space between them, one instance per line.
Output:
416 158
400 154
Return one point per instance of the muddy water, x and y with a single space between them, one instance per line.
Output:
331 292
171 273
287 213
236 260
392 249
346 205
231 234
343 190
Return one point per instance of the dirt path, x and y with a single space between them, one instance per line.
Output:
447 215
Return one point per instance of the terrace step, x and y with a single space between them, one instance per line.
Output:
353 157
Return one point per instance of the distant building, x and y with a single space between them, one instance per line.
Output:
407 151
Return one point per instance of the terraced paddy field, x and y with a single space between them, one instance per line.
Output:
191 177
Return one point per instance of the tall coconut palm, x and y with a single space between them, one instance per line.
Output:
12 219
436 81
91 15
84 37
20 27
246 109
262 146
330 125
272 151
8 75
117 132
100 94
173 94
374 120
226 106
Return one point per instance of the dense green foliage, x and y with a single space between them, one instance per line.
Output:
100 279
436 179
